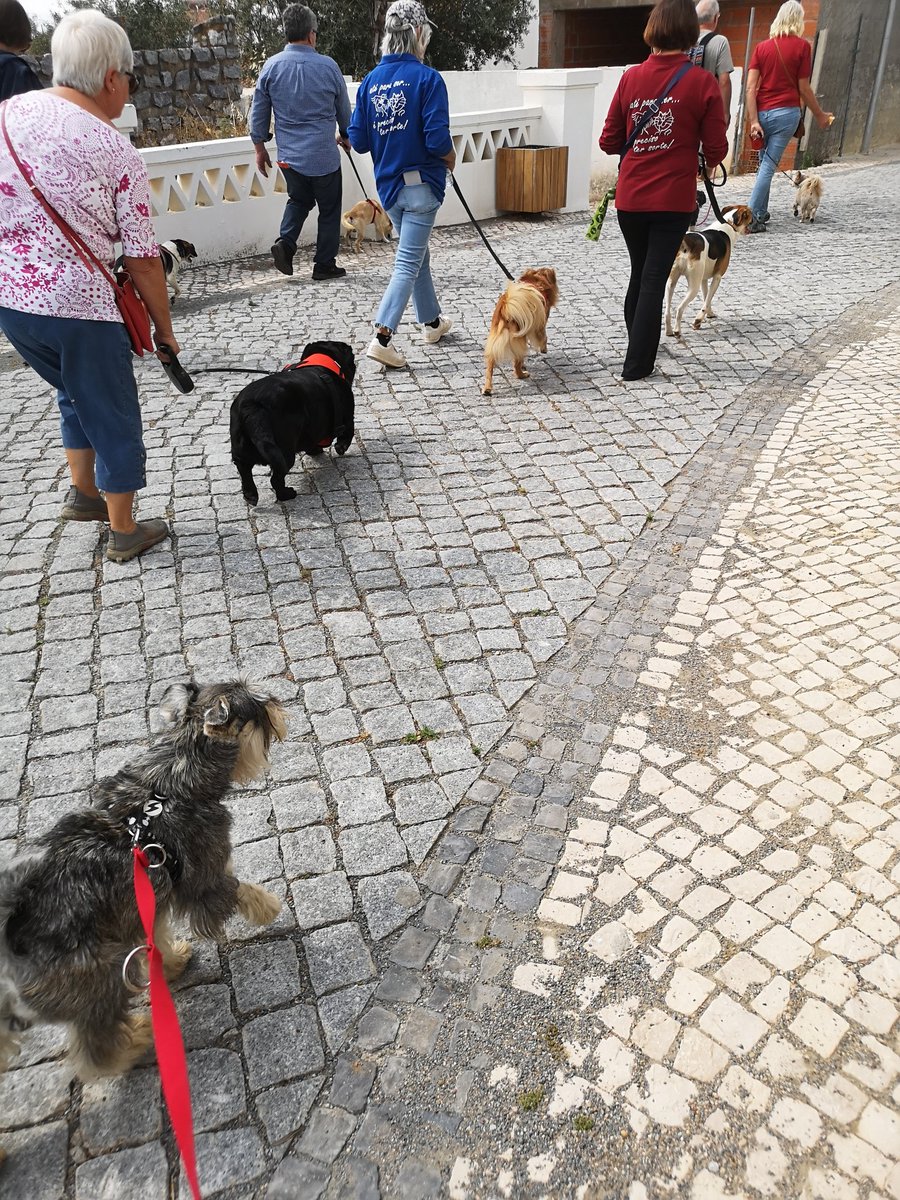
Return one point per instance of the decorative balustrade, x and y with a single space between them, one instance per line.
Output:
212 194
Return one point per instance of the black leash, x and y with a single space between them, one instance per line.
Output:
349 154
481 234
710 188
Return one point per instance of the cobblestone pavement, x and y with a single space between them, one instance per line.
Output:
650 953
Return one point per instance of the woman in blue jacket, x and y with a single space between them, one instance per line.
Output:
402 117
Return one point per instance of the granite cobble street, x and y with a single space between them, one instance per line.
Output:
586 826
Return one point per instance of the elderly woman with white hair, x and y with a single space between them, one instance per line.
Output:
402 117
56 307
777 88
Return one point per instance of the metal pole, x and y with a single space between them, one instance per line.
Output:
840 152
742 107
879 77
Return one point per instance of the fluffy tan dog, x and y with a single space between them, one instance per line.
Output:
357 219
520 321
809 196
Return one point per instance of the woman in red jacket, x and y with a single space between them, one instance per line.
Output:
656 190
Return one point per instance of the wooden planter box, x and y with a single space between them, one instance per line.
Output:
531 179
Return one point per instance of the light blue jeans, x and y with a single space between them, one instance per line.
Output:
413 214
778 125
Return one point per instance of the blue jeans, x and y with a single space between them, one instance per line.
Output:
304 193
413 214
89 364
778 125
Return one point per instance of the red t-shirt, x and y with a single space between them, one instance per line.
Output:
659 172
777 83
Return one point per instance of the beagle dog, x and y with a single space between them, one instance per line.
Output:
703 259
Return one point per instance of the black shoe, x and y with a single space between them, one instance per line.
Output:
757 226
332 272
283 257
765 217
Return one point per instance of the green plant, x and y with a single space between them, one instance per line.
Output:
583 1123
439 662
486 942
552 1039
423 734
529 1101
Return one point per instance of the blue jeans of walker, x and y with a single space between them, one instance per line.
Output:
778 125
304 193
413 214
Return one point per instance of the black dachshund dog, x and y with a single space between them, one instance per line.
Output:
301 409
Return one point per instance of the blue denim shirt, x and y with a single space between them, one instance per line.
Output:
308 96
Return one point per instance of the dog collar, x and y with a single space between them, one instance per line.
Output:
318 360
172 249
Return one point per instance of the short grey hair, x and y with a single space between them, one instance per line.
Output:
707 11
86 45
299 22
405 39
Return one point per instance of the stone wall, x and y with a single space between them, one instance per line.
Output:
193 86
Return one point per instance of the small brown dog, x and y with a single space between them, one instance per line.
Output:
357 220
809 196
520 321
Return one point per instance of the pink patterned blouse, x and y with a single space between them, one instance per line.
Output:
96 181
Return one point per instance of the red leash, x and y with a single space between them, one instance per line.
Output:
166 1030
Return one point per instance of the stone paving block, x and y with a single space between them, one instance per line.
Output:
388 901
352 1083
143 1170
326 1134
360 801
322 900
36 1161
298 1179
217 1088
283 1110
337 956
309 851
339 1012
116 1112
231 1157
264 975
371 849
264 1040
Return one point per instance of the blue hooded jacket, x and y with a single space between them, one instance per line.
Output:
402 116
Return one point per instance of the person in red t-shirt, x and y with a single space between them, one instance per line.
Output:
777 85
657 185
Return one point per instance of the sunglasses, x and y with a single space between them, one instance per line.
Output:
132 81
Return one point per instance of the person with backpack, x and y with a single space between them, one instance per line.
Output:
712 51
663 111
16 74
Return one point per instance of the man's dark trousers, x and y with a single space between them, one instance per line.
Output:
304 193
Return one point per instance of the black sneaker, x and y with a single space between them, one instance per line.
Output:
283 257
757 226
332 272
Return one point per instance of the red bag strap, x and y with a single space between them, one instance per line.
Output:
166 1031
82 249
792 82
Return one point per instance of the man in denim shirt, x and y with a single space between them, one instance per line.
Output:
308 96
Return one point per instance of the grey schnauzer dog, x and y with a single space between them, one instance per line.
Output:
68 917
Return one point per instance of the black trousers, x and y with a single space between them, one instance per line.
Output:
652 239
304 193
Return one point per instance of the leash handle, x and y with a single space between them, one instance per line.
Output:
480 231
710 188
170 1053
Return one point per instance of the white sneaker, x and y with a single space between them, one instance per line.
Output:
388 355
435 334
